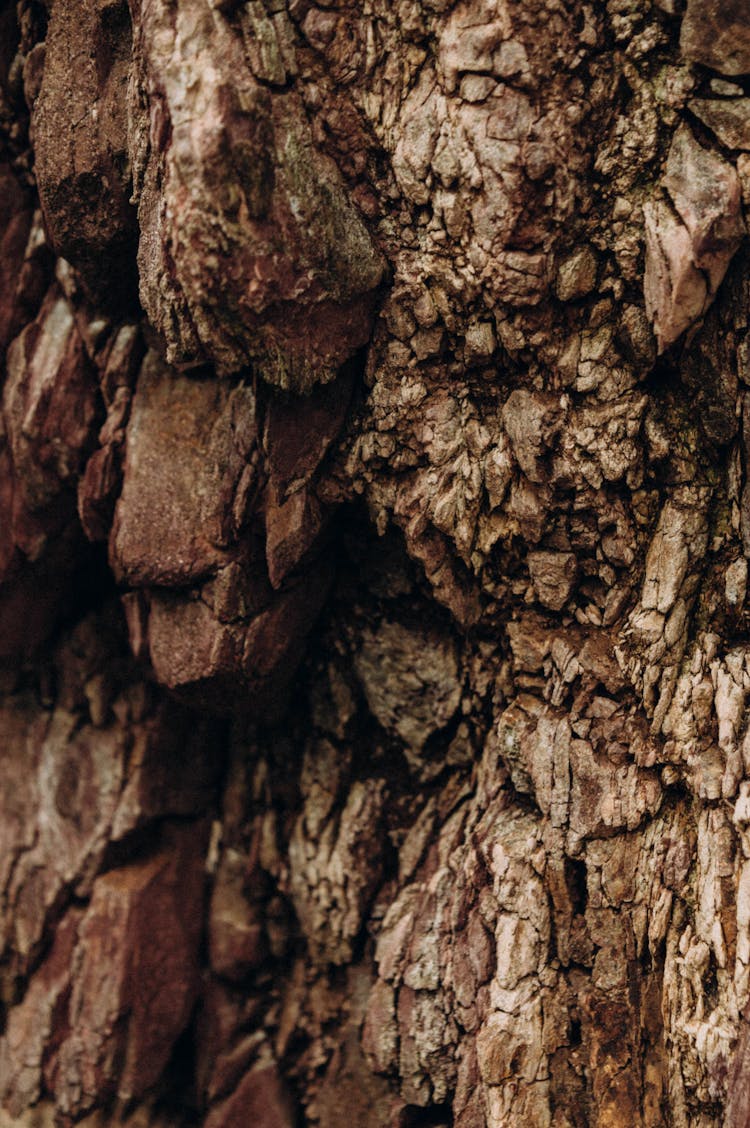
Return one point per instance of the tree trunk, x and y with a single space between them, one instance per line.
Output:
374 523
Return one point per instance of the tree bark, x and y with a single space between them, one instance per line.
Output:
374 524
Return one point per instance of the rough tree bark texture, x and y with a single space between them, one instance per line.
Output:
374 523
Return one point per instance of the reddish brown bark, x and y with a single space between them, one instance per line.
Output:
374 524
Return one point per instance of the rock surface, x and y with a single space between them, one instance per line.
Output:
715 33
